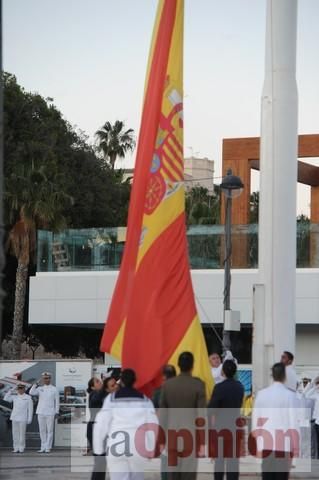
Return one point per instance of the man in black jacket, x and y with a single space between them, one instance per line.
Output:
224 407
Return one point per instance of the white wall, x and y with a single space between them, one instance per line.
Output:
84 297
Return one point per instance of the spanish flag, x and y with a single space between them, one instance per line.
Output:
153 318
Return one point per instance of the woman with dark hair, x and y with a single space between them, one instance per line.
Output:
110 385
168 371
96 399
94 403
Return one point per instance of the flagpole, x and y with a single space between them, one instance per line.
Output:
275 298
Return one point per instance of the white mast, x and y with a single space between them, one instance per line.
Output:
275 298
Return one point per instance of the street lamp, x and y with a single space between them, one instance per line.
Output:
232 187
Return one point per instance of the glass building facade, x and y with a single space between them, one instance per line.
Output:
98 249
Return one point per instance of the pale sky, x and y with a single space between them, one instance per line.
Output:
91 55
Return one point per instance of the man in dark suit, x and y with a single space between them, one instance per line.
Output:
182 401
224 408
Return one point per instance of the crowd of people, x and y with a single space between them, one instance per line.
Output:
180 404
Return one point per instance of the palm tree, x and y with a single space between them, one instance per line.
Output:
21 242
113 141
40 205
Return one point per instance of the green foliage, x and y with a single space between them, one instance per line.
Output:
113 141
254 208
201 207
52 178
303 241
52 170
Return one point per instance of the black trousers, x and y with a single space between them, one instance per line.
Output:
181 475
99 468
317 432
228 465
276 465
89 433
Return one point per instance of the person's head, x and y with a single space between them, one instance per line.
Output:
186 362
229 368
110 385
128 378
215 359
46 377
278 372
168 371
287 358
94 384
20 389
305 381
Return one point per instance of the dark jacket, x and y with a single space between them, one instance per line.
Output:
183 391
227 394
96 399
226 402
183 399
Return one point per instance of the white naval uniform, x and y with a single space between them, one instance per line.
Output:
291 378
48 407
279 407
217 374
312 392
129 415
21 415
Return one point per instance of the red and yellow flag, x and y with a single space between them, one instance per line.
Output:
153 316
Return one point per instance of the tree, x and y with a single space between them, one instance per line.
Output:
113 141
33 343
21 243
47 165
201 207
254 208
40 204
303 241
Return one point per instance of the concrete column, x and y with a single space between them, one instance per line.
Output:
314 229
278 186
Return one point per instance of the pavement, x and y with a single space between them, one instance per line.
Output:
72 465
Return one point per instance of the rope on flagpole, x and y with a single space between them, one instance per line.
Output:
209 322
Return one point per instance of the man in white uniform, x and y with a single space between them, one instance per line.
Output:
287 359
47 409
278 406
21 415
312 392
216 364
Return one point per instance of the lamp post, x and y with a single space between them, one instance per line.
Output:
232 187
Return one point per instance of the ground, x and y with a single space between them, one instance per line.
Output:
61 464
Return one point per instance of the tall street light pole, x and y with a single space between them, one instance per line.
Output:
231 186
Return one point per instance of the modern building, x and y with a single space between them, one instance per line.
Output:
79 293
198 172
77 269
242 155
